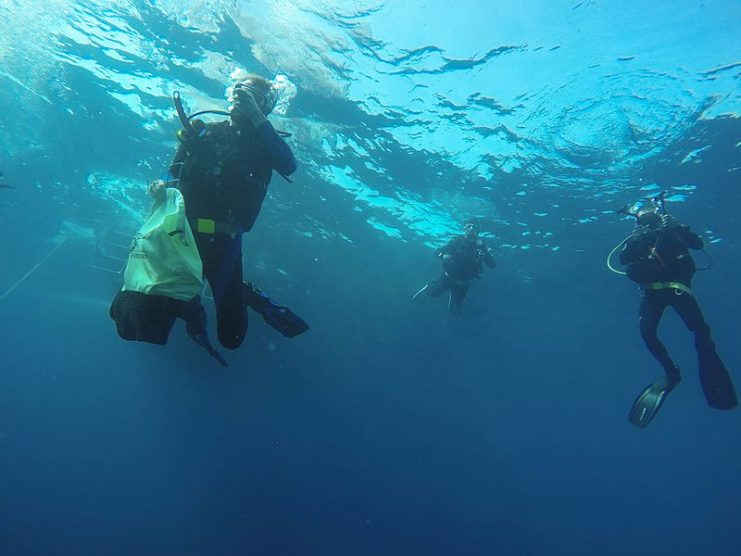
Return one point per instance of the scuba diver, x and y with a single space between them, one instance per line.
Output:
223 170
657 257
221 173
463 259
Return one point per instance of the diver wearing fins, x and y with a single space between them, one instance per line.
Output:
463 259
657 257
223 170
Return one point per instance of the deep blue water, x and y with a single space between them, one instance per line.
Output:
389 428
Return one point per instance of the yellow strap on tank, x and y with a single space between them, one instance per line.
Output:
668 285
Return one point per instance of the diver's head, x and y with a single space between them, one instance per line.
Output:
648 216
471 229
261 89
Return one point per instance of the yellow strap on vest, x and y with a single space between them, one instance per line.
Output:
668 285
205 226
210 226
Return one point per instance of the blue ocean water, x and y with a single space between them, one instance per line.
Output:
389 428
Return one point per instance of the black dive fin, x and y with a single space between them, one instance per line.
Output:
718 386
279 317
284 320
195 324
648 403
203 341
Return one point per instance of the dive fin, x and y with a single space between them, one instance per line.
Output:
279 317
203 341
648 403
718 386
195 325
284 321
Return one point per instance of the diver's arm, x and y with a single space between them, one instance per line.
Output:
158 187
682 231
486 255
177 161
278 152
489 260
247 114
689 238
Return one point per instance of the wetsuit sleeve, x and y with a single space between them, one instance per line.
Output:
689 238
177 160
278 152
487 256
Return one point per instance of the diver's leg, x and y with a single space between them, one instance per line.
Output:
689 311
652 307
222 264
716 382
435 288
457 295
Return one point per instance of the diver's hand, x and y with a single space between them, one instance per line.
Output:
157 190
246 109
670 221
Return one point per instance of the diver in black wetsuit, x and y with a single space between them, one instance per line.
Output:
463 259
657 257
223 170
